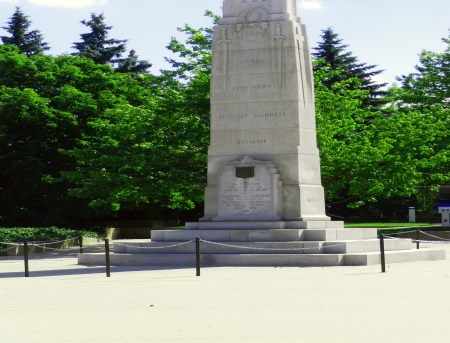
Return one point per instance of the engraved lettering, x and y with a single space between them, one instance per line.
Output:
253 61
244 199
309 169
233 116
313 200
269 115
252 88
251 141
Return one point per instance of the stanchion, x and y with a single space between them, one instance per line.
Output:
197 255
383 259
108 263
80 240
417 239
25 258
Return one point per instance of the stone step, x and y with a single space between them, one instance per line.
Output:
258 260
337 247
366 259
268 225
280 235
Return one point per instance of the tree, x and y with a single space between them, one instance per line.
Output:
152 155
97 46
426 93
132 64
46 105
332 53
29 42
391 156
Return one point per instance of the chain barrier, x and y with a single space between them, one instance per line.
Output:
6 243
66 249
281 249
5 250
446 241
164 247
45 243
403 232
428 234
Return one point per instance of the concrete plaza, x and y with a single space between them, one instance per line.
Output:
64 302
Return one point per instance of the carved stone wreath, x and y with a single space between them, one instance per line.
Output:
243 15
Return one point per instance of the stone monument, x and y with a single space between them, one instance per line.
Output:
263 164
264 200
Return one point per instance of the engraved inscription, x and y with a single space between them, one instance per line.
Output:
251 141
253 61
245 198
313 200
269 115
232 116
254 115
253 88
252 41
309 169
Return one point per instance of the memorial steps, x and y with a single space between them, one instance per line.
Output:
252 248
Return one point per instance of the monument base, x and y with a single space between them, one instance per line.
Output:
264 225
269 244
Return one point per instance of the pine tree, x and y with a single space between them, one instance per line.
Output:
131 64
96 45
334 53
29 42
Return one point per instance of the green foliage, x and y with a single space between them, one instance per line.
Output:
29 42
132 64
96 45
389 156
14 235
331 52
155 153
46 104
423 98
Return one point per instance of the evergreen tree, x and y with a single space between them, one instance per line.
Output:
29 42
96 45
334 54
131 64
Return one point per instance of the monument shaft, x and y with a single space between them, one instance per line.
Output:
263 163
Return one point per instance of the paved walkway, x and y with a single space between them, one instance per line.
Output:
63 302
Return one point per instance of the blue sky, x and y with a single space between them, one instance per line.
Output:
388 33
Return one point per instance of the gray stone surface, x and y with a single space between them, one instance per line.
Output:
70 303
263 117
183 260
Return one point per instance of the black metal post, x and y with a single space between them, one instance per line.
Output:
80 240
197 255
108 262
383 259
417 239
25 258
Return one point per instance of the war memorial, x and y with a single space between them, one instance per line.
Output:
264 202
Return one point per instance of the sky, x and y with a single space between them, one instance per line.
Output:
387 33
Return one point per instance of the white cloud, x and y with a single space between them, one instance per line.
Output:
66 3
378 79
7 0
311 5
